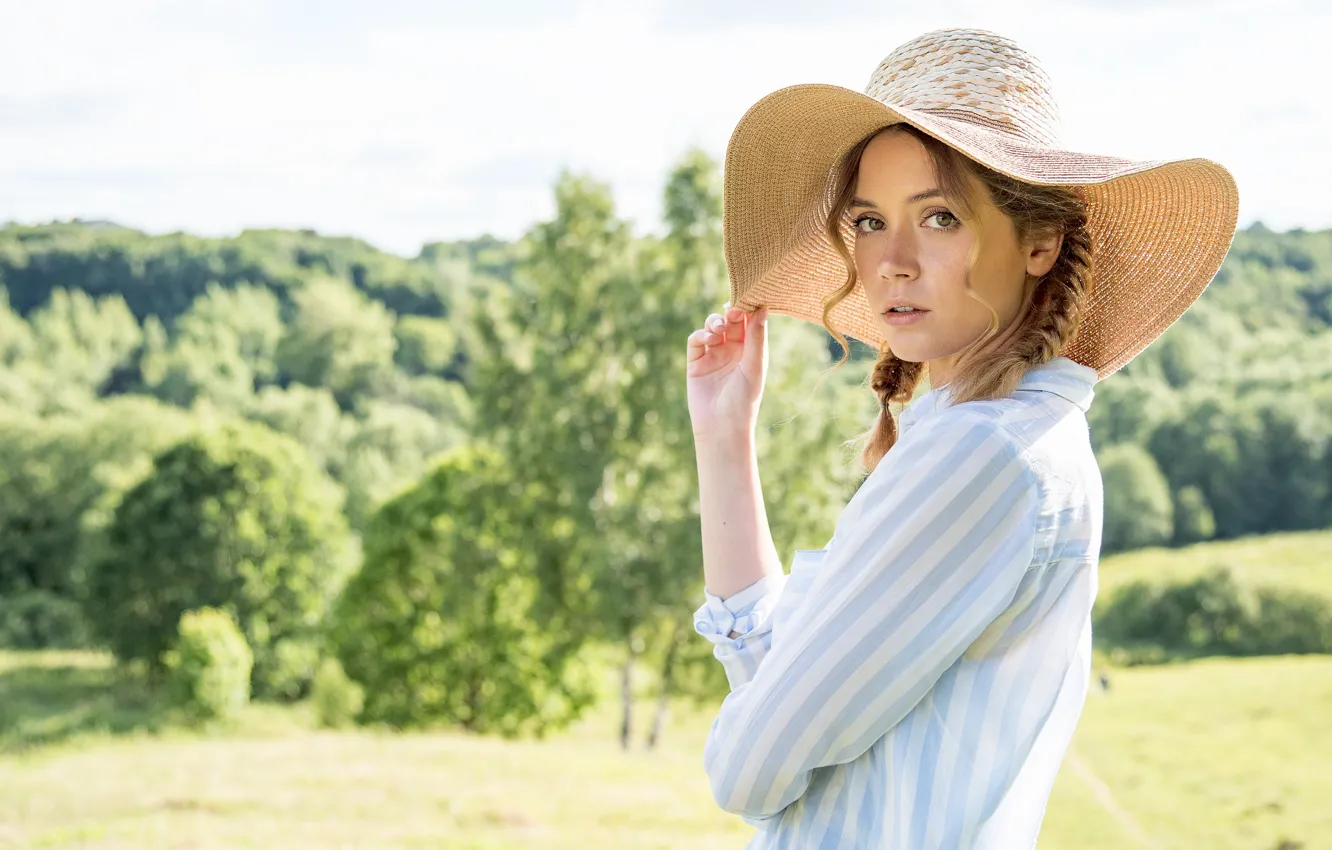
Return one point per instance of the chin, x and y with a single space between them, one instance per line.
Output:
910 350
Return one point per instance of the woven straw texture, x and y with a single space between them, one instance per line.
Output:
1160 229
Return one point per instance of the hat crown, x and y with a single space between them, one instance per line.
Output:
970 75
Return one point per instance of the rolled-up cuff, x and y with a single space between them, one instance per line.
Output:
742 612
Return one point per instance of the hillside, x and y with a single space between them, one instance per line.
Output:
1295 560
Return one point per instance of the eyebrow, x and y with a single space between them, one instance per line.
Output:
916 198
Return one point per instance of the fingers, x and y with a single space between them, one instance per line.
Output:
696 346
719 329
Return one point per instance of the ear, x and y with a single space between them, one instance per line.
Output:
1042 251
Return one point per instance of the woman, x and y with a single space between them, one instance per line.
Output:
916 683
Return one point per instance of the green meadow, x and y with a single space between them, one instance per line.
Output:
1218 753
1225 754
1294 560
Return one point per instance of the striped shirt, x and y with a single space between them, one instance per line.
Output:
915 683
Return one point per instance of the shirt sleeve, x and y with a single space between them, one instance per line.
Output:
748 614
931 549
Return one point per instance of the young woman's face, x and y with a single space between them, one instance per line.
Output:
911 247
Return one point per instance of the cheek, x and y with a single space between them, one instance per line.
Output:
1000 284
862 251
944 265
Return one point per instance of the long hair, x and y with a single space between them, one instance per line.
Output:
1044 325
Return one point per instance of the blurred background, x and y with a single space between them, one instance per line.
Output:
347 491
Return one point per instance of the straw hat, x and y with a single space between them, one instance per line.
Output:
1159 229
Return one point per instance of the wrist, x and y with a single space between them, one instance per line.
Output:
726 441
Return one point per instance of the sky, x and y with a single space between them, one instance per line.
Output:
411 122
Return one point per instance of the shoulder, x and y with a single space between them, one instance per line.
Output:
962 429
962 469
954 448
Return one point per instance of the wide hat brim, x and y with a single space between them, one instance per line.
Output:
1160 229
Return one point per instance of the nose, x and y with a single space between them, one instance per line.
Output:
898 260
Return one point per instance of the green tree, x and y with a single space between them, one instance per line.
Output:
1128 408
425 346
252 314
1194 522
205 362
582 386
337 339
237 518
59 475
388 448
1138 508
444 623
309 414
16 343
83 340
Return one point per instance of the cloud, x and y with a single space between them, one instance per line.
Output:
409 122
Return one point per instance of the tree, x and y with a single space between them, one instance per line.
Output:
1194 522
310 415
237 518
83 340
59 474
16 341
337 339
425 346
388 448
582 388
205 362
1138 508
444 621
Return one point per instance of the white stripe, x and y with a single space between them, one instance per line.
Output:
1025 651
959 707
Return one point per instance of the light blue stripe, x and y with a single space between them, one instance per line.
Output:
1053 498
814 692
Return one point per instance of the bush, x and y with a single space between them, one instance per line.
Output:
337 699
1291 622
1211 615
209 668
37 619
446 622
238 518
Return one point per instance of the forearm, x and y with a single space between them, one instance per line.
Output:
737 543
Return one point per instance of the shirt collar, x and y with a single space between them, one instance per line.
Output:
1062 376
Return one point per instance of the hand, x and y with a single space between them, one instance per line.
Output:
726 364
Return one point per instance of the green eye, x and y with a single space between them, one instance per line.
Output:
862 219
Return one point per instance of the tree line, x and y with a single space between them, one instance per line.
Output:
456 473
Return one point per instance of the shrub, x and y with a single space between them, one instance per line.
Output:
337 699
1211 615
38 619
240 518
209 668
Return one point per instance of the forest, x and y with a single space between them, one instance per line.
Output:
468 476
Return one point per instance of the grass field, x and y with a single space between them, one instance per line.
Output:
1219 754
1295 561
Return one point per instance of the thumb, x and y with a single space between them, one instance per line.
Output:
756 342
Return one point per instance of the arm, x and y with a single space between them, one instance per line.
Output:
742 572
937 542
737 543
